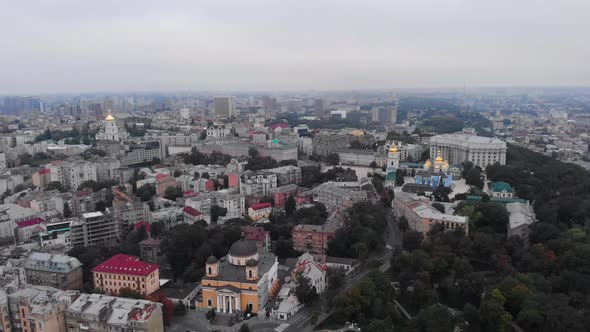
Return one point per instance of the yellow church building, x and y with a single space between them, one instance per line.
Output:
241 281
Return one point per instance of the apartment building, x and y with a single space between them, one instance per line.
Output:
312 238
39 309
57 271
71 174
259 183
102 313
94 228
233 202
287 174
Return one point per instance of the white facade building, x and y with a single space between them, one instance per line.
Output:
458 148
72 174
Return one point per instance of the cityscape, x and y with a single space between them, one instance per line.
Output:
332 201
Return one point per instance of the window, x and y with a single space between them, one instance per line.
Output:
209 302
250 274
210 271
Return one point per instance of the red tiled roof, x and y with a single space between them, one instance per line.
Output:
192 211
190 193
45 171
125 264
30 222
260 206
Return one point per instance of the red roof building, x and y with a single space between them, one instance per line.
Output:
192 215
30 222
259 206
124 271
259 211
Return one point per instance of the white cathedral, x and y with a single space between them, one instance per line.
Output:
110 131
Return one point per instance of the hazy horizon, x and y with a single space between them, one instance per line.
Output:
147 46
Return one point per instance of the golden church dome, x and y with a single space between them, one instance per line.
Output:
393 148
110 118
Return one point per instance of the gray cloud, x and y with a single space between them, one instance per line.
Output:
108 45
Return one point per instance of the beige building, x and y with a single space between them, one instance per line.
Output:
124 271
39 309
422 216
4 312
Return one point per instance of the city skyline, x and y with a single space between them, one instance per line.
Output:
68 47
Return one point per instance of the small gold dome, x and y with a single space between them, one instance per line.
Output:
110 118
393 148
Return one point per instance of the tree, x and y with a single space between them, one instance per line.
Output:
333 159
179 309
130 293
493 315
412 240
399 178
157 229
439 207
336 278
253 152
55 185
203 135
441 193
434 318
146 192
216 212
290 205
403 224
305 292
373 164
244 328
67 211
210 315
172 193
473 177
167 306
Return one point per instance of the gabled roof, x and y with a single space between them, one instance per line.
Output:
192 211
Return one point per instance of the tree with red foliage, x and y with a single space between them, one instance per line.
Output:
167 306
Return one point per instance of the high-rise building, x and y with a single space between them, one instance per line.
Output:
224 106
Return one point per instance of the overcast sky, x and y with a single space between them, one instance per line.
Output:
127 45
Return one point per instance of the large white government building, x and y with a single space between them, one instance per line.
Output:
458 148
